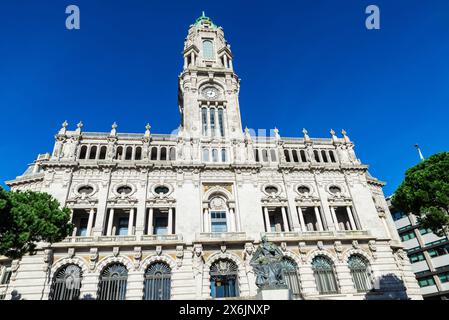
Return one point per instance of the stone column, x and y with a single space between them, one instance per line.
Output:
110 221
267 219
225 61
90 222
170 221
230 63
318 219
192 58
301 219
150 221
131 222
185 62
334 218
351 218
206 220
284 219
232 220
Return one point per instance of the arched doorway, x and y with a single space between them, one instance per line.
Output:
224 279
157 282
66 283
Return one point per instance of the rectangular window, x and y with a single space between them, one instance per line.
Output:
161 224
5 273
408 235
424 231
444 277
397 215
82 230
425 282
212 122
218 221
221 122
204 120
123 226
417 257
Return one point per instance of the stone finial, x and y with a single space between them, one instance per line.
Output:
276 133
79 127
114 129
334 137
147 130
345 135
247 135
63 129
306 134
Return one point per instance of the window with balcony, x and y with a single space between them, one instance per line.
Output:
218 221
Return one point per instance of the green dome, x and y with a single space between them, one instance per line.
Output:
203 18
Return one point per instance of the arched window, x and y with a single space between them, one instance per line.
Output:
83 152
317 156
206 155
223 155
129 153
103 151
221 122
332 156
154 153
273 155
93 153
112 285
214 155
164 154
256 155
295 156
303 155
287 155
265 155
324 155
212 121
119 153
138 153
173 153
157 282
360 273
291 277
208 50
323 271
224 279
204 120
66 283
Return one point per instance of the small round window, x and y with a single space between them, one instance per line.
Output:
271 190
334 189
124 190
161 190
303 190
85 190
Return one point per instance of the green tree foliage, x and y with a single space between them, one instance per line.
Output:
425 193
27 218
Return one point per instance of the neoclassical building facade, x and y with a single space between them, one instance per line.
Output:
179 216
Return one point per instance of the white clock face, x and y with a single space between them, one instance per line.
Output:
210 93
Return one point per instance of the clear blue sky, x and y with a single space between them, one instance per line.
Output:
306 64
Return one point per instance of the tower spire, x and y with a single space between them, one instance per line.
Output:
419 152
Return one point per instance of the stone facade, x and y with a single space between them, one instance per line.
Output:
208 193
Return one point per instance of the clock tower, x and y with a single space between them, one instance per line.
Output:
208 86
